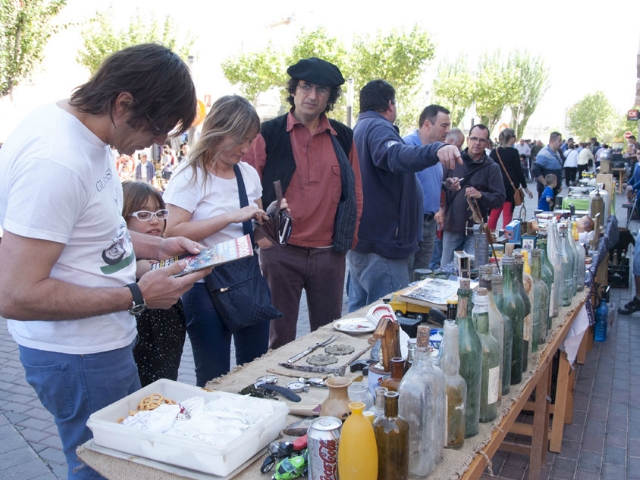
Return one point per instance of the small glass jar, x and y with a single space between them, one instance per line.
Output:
359 392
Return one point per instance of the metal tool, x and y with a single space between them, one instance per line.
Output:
312 348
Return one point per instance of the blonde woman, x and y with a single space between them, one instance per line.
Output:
203 201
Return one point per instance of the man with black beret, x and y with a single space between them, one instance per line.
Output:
316 160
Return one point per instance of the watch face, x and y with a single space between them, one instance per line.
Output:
296 386
137 309
268 379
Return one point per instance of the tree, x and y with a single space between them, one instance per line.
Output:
399 58
25 29
453 88
532 83
496 87
255 72
593 116
101 39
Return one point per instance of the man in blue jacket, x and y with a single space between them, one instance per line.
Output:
548 161
391 217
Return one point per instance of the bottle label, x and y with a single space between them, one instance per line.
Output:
526 335
494 385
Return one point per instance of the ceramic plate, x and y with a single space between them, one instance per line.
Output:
354 325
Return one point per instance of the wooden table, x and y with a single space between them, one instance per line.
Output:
468 463
621 173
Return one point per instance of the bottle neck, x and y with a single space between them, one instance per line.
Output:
451 354
391 404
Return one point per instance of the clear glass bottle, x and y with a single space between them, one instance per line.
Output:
411 346
567 266
513 308
422 404
528 321
554 253
456 387
582 254
392 439
496 322
491 383
546 272
574 253
359 392
540 300
397 372
505 371
358 453
470 351
378 406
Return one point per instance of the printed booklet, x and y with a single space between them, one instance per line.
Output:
210 257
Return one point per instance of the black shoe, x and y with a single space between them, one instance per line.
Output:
629 308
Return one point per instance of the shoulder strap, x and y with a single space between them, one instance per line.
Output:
244 200
505 170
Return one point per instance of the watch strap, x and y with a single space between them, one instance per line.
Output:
294 397
136 293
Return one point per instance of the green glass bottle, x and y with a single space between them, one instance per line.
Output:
496 294
513 307
470 351
540 300
527 328
546 272
392 439
456 387
496 323
567 266
554 254
490 384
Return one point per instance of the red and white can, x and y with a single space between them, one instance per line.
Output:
323 439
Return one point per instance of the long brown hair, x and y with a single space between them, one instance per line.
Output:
230 116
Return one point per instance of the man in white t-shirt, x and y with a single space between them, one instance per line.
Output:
68 260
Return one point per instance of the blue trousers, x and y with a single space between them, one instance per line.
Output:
72 387
211 340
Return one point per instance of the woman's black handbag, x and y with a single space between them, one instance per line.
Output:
239 292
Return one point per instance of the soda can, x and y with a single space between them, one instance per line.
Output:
323 439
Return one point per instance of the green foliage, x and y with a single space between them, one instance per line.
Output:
101 38
623 125
532 83
255 72
593 116
496 87
398 57
453 88
25 29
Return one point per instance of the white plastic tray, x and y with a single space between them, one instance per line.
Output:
182 452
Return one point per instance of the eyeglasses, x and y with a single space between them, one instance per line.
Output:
478 140
307 88
153 127
145 215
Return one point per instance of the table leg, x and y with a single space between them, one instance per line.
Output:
540 438
560 406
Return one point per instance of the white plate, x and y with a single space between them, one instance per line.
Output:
354 325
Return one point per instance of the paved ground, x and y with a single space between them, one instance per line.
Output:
602 443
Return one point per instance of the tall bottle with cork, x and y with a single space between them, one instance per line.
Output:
456 387
422 404
470 351
513 307
490 383
524 294
496 322
505 370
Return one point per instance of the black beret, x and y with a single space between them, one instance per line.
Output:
318 71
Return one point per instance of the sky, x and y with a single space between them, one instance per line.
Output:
587 46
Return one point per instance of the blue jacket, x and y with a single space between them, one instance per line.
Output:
547 162
430 178
392 214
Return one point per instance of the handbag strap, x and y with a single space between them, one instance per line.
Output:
247 227
505 170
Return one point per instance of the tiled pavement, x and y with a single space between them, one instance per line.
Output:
602 443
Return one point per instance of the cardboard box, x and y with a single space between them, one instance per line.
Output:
183 452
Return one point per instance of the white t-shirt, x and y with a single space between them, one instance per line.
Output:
215 197
58 182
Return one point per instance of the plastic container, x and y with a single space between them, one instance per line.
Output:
187 453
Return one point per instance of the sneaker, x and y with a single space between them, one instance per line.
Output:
629 308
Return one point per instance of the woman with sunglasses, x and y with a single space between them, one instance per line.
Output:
204 203
161 333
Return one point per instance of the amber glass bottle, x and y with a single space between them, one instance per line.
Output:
392 439
397 372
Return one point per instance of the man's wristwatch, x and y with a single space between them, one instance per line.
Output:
138 306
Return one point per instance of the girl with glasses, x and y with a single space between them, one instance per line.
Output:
161 333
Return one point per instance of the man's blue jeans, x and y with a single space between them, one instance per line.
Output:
372 276
452 242
211 340
72 387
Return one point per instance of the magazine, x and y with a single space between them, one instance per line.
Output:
433 292
210 257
